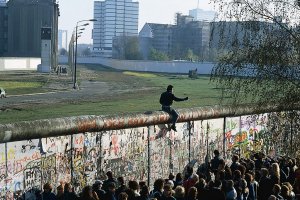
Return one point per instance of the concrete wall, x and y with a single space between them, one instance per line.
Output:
12 63
147 66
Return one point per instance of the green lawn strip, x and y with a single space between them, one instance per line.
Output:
200 92
22 87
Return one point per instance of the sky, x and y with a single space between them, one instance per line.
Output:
152 11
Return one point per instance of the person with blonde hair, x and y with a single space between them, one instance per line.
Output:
275 174
179 193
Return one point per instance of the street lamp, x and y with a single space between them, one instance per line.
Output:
76 37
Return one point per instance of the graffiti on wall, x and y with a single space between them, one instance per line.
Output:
83 158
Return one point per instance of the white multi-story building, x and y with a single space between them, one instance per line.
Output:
114 18
202 15
62 39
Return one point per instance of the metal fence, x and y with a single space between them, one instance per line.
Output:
81 149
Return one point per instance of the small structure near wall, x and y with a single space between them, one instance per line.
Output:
193 73
45 65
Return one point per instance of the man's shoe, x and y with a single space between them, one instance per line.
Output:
173 127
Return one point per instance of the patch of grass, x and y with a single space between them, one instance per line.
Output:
142 75
141 94
21 87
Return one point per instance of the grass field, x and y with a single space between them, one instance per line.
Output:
142 94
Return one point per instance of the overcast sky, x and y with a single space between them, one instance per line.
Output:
154 11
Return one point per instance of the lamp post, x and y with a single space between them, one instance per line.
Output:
76 37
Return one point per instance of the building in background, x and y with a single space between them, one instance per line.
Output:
156 36
62 39
187 36
26 18
114 18
202 15
3 27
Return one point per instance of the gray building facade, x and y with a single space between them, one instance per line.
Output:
114 18
26 18
176 40
3 28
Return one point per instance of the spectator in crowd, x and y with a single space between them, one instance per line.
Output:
69 193
216 161
60 192
97 188
122 186
214 190
167 193
252 186
47 194
192 194
275 174
110 179
157 192
286 194
235 163
134 186
110 194
88 194
276 192
122 196
265 185
179 193
231 193
178 180
144 193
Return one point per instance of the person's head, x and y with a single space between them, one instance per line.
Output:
243 185
87 191
235 158
68 187
189 170
121 180
237 175
159 184
167 190
192 194
60 190
170 88
248 177
285 192
276 189
179 192
179 177
229 184
123 196
47 187
109 174
133 185
171 183
288 185
275 169
171 176
216 152
264 172
97 185
144 191
200 184
195 178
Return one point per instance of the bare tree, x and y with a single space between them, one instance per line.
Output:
258 46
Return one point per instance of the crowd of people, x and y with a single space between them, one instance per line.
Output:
256 178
